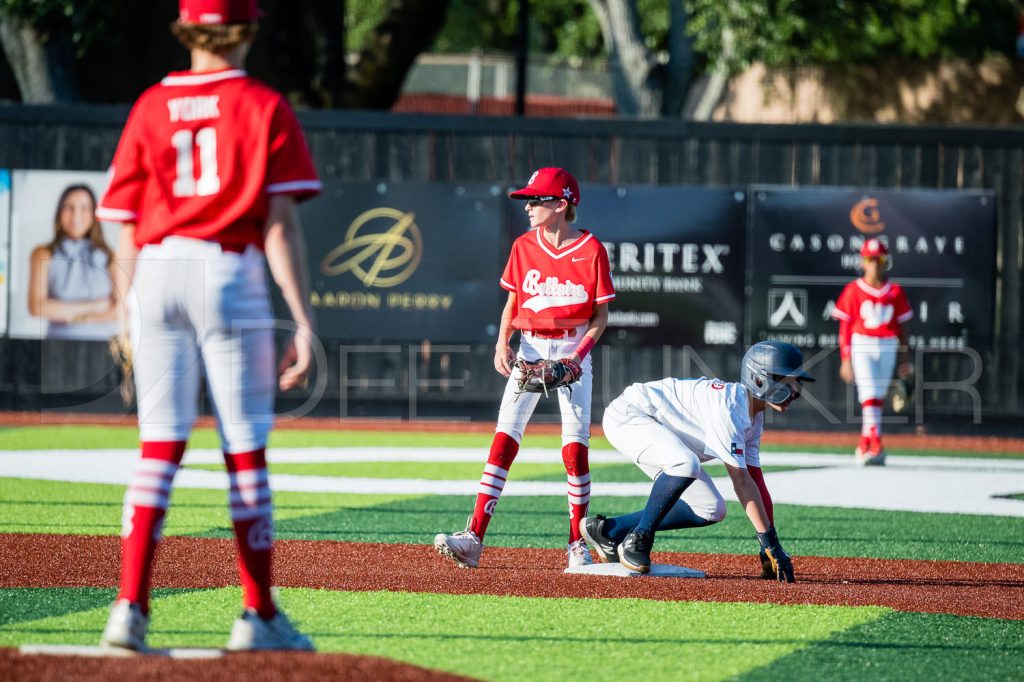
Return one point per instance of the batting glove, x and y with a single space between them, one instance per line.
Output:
780 561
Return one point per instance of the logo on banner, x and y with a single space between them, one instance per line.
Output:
788 308
382 248
866 217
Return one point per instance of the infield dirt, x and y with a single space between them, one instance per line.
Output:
959 588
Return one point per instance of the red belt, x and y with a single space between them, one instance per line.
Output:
550 333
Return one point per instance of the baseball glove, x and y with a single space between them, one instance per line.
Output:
902 394
544 375
780 561
121 350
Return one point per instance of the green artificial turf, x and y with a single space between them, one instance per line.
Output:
57 437
465 471
96 437
544 639
907 646
525 638
30 506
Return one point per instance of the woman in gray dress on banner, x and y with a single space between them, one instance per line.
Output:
71 279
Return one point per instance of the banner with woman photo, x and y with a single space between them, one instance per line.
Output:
61 256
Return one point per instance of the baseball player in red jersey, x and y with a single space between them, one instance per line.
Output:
559 285
205 179
871 311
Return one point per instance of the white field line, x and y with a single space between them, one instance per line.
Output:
925 484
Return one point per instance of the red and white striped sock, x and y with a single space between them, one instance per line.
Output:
142 521
576 458
252 517
504 449
871 411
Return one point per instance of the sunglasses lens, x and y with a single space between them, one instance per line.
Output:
780 394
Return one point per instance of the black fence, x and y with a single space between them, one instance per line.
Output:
956 389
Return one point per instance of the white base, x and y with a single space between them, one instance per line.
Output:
113 652
620 571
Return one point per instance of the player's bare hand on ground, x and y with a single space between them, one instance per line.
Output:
780 560
504 360
846 371
296 364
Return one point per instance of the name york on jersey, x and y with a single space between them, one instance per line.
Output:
193 108
551 293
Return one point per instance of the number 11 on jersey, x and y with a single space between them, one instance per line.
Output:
185 182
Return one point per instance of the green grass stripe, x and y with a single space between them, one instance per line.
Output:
29 506
907 646
100 437
464 471
524 638
77 437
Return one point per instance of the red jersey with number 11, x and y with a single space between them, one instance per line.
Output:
557 288
200 155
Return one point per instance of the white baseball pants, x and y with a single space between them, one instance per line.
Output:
573 402
198 309
655 448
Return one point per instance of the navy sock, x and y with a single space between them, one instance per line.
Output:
664 494
681 515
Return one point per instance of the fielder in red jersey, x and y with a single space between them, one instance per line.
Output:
559 285
205 180
871 311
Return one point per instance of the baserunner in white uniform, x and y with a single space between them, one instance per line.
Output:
668 428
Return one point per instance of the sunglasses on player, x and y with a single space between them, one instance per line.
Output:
539 201
782 392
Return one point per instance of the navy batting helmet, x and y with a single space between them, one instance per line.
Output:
766 363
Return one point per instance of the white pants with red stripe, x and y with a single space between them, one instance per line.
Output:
573 402
198 310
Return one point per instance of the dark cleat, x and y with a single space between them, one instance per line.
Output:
635 551
592 528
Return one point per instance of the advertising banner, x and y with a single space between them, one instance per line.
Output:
805 247
61 284
677 257
406 262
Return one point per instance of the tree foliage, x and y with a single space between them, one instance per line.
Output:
82 20
846 32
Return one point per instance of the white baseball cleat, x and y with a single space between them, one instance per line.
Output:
252 633
126 627
578 553
464 547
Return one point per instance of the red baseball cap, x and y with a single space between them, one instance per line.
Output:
218 11
550 182
873 248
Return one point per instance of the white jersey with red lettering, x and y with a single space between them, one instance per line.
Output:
199 157
871 311
711 417
557 288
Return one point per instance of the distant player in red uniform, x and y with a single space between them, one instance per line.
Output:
559 287
871 311
205 179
